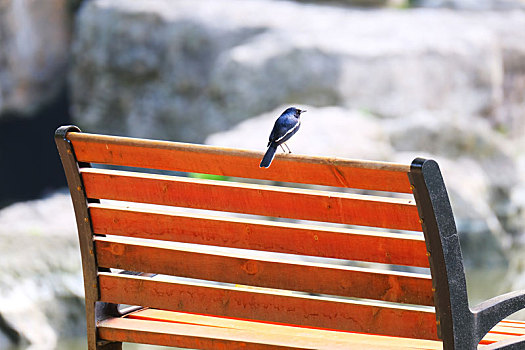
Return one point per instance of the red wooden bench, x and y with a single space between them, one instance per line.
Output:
252 281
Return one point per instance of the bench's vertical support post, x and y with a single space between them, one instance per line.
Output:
85 233
454 318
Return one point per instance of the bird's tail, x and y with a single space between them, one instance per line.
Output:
268 156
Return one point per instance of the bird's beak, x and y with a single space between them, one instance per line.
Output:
304 110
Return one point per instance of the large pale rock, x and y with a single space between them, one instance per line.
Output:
483 173
478 5
467 142
510 114
41 288
454 137
473 159
34 36
327 131
182 70
484 240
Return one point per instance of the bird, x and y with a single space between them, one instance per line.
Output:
285 127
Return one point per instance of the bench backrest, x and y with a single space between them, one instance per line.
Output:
132 220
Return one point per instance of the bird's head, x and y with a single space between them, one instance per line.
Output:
295 111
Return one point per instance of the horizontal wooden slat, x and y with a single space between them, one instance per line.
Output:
504 330
194 331
269 273
189 336
154 320
274 201
239 163
492 338
284 331
512 323
339 243
353 316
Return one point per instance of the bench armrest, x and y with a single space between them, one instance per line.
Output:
489 313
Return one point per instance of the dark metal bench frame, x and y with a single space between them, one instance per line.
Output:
459 326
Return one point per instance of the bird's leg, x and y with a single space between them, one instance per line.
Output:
282 148
287 147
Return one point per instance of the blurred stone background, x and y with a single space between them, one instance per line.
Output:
383 80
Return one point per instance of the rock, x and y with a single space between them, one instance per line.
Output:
363 3
35 49
161 68
466 142
482 173
484 240
41 288
509 115
452 136
478 5
324 131
464 150
171 70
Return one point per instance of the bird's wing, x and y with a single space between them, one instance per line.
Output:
282 127
274 133
289 131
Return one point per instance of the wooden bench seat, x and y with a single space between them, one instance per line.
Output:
311 253
154 323
231 331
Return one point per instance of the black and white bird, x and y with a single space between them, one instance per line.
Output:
285 127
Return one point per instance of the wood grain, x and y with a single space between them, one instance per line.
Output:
352 316
186 157
273 201
241 268
281 331
321 241
205 332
